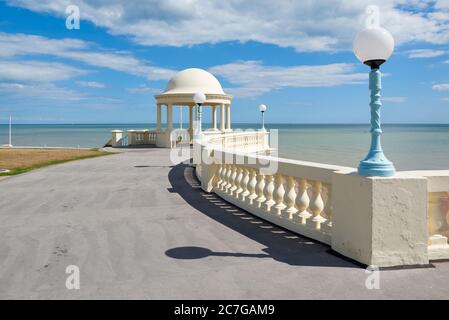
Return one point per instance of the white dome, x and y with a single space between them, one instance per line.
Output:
193 80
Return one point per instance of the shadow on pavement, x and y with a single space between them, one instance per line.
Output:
281 245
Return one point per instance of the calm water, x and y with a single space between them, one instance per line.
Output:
408 146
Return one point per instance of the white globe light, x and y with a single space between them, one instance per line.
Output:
262 108
199 98
373 44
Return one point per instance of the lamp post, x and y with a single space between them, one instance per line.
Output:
9 135
262 109
373 46
199 98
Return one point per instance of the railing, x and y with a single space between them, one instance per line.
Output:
438 215
141 137
152 137
299 202
293 194
249 141
401 220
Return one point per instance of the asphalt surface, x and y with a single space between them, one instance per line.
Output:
139 227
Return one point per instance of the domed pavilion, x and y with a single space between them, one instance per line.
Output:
180 91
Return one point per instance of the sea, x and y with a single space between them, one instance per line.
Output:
408 146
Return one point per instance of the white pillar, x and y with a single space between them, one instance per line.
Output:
228 117
169 117
10 125
180 117
159 124
214 117
222 118
191 122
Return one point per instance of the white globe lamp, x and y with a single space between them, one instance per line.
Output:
373 46
199 98
262 109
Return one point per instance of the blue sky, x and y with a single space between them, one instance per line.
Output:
294 56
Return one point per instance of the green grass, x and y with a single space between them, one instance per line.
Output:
20 170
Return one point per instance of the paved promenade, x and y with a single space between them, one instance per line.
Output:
139 227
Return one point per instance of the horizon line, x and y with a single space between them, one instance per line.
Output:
252 123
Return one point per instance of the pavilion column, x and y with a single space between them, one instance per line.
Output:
169 117
222 118
214 117
180 117
159 122
228 117
191 122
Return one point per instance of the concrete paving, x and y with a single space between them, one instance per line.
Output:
139 227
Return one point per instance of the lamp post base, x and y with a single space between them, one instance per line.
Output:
376 164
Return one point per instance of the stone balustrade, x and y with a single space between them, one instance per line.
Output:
244 141
438 213
399 220
297 203
141 137
133 138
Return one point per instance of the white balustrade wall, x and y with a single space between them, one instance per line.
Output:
141 137
438 213
300 203
402 220
242 141
133 137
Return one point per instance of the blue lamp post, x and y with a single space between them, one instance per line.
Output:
199 98
262 109
373 46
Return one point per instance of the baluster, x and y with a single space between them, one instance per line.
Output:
260 187
328 207
244 184
268 193
231 177
279 194
290 198
223 176
302 201
226 173
252 187
235 175
219 176
239 183
317 205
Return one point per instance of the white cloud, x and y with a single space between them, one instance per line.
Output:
441 86
91 84
11 86
32 71
143 89
13 45
324 25
425 53
445 99
394 99
442 4
252 78
42 91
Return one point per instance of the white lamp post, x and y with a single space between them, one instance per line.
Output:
199 98
373 46
262 109
9 136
